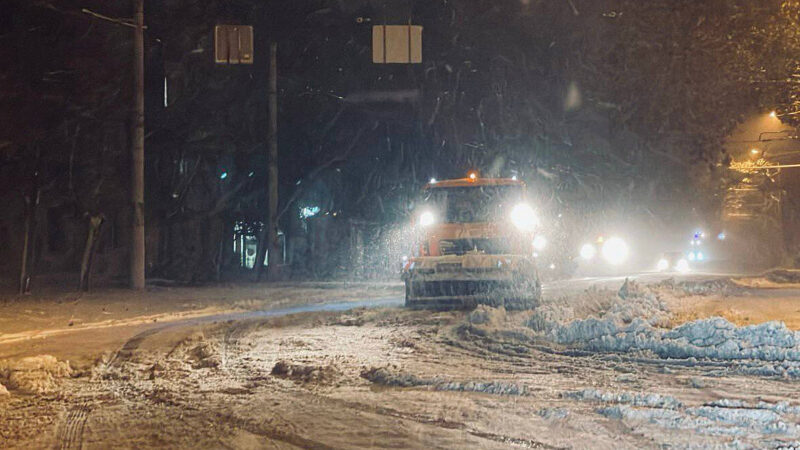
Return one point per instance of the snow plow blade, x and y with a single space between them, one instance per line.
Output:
466 281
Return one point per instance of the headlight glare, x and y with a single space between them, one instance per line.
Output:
588 251
523 217
426 219
615 251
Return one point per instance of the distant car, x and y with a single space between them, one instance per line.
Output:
672 262
604 255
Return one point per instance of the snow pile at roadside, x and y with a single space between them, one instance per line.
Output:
553 413
637 319
763 420
714 338
741 423
627 398
387 377
565 309
776 278
783 275
305 373
780 407
723 417
707 420
716 286
628 307
205 355
198 351
35 374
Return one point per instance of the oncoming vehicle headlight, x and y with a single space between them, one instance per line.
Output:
588 251
663 265
615 251
682 266
539 242
523 217
426 219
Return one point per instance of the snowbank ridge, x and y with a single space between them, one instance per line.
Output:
637 323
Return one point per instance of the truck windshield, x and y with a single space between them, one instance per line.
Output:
473 203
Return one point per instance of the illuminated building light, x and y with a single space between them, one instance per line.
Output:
309 211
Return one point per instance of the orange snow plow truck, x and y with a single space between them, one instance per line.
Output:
475 246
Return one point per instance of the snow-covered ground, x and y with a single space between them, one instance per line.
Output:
51 314
634 367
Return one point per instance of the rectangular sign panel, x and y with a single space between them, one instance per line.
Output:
233 44
396 44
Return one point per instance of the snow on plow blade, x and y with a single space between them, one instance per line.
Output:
466 281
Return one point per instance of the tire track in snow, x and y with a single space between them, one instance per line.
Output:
71 433
425 420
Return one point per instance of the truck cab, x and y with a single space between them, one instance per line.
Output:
475 246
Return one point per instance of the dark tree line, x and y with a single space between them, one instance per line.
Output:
604 105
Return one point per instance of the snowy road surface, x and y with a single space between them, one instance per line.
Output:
591 368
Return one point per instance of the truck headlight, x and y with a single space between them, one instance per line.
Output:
426 219
588 251
663 265
523 217
615 251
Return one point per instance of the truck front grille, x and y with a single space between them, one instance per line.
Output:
457 288
489 246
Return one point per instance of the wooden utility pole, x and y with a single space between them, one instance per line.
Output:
31 206
137 152
272 171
